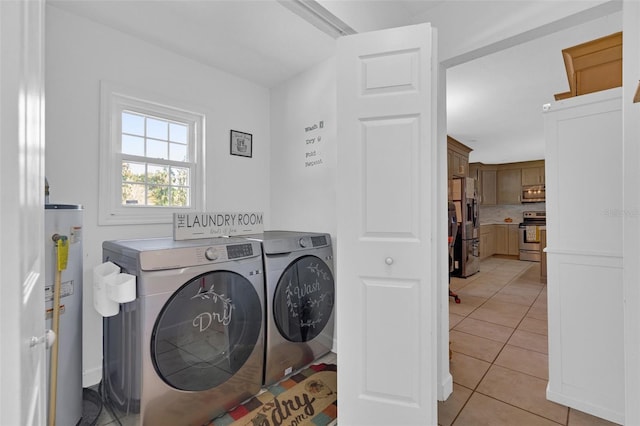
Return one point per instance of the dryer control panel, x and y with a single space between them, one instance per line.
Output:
229 252
161 255
237 251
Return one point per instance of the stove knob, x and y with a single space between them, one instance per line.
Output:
303 242
211 254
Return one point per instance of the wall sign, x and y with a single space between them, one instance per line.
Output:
313 143
191 226
241 143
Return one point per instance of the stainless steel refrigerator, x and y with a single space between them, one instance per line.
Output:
466 253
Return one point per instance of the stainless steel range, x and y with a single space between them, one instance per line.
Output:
529 234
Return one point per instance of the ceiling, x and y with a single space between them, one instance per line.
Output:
494 103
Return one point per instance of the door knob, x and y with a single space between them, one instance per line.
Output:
388 261
47 338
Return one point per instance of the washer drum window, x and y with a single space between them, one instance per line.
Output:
304 298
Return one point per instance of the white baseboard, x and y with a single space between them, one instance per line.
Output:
445 388
91 377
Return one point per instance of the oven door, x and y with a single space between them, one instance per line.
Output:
529 234
529 242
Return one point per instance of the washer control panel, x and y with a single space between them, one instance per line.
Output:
312 241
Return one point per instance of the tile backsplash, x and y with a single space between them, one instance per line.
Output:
497 214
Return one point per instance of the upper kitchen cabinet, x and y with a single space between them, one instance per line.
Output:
457 158
593 66
502 183
488 186
533 174
486 177
509 186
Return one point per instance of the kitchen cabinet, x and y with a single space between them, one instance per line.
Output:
514 240
502 239
459 164
509 186
487 240
488 185
533 175
502 183
474 172
457 158
506 239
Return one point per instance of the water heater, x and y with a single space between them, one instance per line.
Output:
65 220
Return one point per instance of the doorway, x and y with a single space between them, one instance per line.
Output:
501 67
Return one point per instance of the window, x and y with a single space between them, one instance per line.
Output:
151 159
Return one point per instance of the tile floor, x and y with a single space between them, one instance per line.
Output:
498 336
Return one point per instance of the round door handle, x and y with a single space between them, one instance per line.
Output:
47 338
388 261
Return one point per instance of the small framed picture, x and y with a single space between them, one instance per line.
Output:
241 143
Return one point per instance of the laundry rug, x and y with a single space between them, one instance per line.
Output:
308 398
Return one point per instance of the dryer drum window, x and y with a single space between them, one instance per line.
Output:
206 331
304 298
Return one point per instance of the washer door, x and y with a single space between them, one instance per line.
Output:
206 331
303 300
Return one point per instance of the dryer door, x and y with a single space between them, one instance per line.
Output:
206 331
303 299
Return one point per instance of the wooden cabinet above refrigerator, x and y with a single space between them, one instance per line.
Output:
457 158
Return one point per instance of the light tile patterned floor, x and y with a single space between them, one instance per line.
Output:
498 336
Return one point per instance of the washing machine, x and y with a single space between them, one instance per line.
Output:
300 293
191 345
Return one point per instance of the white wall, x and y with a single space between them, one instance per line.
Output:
303 158
470 29
80 53
302 194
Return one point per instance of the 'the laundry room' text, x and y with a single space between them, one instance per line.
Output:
210 220
219 224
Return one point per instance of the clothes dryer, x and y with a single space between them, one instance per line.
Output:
191 345
300 293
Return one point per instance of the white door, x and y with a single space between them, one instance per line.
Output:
22 366
386 287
